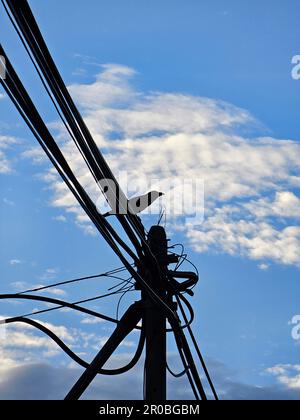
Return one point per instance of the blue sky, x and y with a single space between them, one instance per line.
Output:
141 73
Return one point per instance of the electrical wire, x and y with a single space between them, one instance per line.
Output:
49 286
28 26
30 30
120 300
119 284
98 165
186 366
184 349
177 375
22 101
75 357
61 304
12 82
196 346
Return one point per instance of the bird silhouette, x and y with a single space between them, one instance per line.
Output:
136 205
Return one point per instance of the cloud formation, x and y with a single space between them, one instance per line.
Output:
6 142
32 368
287 375
41 381
251 182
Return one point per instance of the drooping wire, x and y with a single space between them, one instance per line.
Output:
126 281
121 298
100 222
60 304
186 366
25 106
134 220
197 347
30 30
177 375
109 274
182 259
75 357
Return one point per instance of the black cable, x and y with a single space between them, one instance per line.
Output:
75 357
91 145
37 70
120 300
49 286
196 346
25 19
60 303
184 347
188 322
119 284
181 374
152 294
186 366
89 207
23 102
182 259
177 375
76 303
25 106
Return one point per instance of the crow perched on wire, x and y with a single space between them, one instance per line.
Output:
136 205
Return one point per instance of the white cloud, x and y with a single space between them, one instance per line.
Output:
15 262
5 144
36 154
251 206
101 341
234 231
60 218
111 87
285 204
52 291
263 266
287 375
40 381
91 321
23 344
49 274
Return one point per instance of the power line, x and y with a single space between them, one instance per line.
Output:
60 304
21 99
30 30
197 347
143 257
75 357
109 274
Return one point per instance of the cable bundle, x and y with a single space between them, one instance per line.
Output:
24 22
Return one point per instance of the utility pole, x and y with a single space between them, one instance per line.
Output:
155 320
